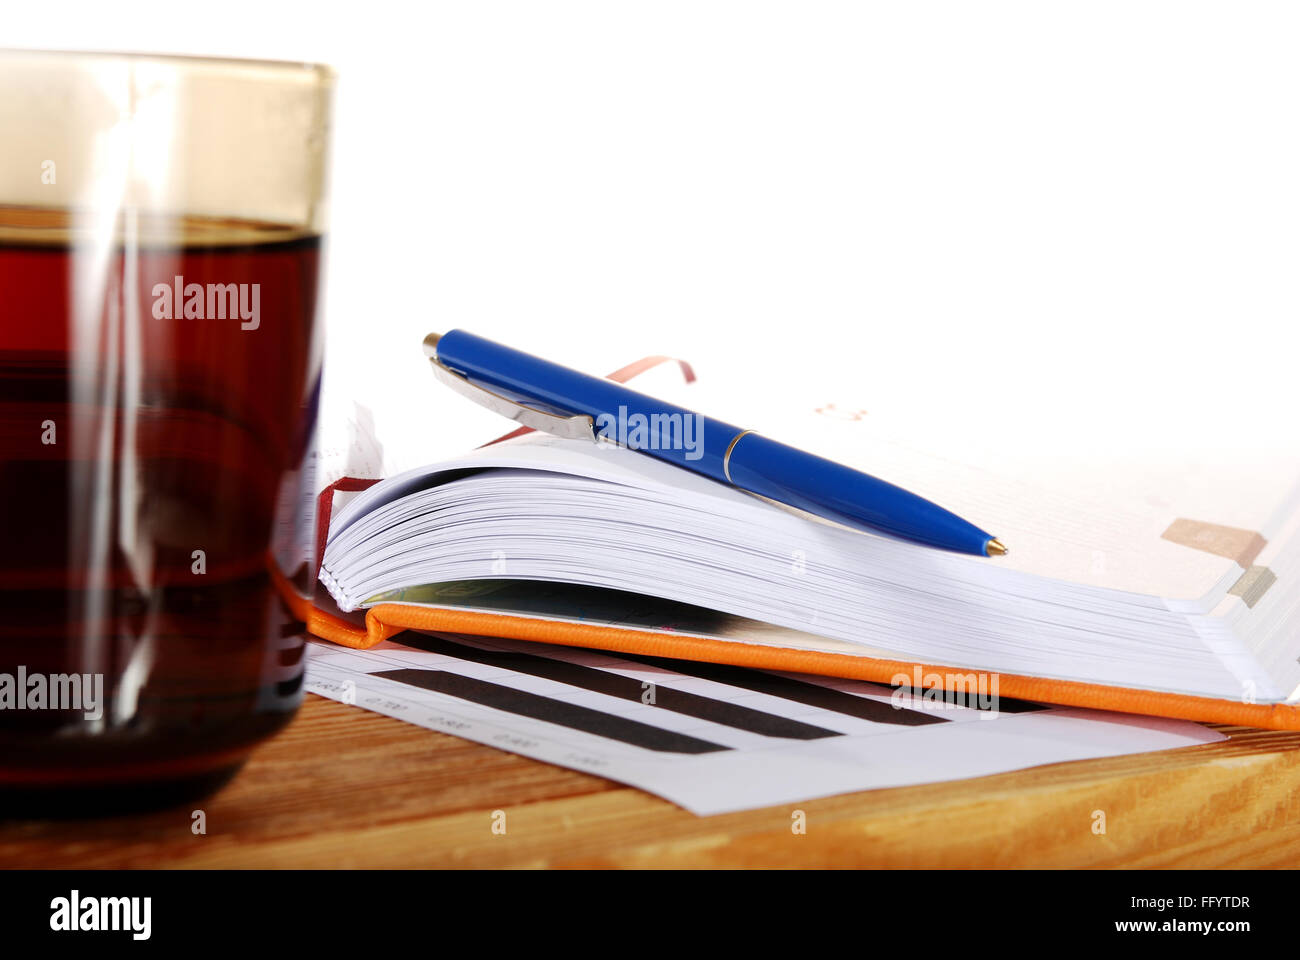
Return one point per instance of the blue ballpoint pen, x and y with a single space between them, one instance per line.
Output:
558 400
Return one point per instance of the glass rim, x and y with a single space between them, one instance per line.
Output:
323 71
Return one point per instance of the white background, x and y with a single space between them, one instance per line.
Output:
1011 213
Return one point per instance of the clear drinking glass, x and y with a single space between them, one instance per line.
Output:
161 225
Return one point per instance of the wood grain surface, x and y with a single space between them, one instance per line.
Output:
343 787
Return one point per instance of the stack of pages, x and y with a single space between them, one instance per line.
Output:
1175 574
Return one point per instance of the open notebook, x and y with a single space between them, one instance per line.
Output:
1164 585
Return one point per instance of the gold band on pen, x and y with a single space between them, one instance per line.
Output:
726 457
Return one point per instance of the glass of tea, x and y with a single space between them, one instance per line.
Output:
161 225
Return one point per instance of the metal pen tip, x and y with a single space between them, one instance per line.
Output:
995 548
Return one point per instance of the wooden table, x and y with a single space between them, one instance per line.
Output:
343 787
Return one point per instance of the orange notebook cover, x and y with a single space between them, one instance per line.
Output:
386 620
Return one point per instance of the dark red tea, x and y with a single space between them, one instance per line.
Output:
157 409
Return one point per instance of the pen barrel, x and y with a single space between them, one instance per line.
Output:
836 492
635 420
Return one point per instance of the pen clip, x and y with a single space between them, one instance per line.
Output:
577 427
